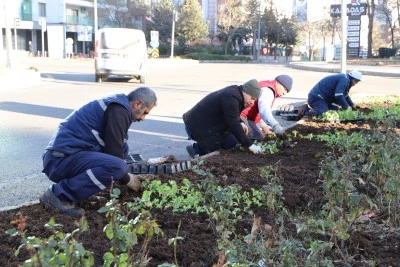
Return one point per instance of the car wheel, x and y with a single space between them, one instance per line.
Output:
98 78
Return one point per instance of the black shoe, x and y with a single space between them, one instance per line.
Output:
303 110
191 151
49 200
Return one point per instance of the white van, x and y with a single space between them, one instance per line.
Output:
120 52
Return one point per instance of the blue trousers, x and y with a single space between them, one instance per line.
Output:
83 174
319 105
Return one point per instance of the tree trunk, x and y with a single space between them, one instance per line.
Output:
371 14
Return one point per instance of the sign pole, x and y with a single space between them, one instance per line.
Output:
343 57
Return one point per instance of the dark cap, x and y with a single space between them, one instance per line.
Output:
252 88
286 81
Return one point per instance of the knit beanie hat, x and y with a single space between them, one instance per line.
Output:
286 81
252 88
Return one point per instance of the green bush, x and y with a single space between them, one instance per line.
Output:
206 56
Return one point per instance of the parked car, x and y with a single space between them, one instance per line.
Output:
120 52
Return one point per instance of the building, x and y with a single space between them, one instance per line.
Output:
55 26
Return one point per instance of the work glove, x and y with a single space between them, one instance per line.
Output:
278 129
255 149
245 128
135 180
160 160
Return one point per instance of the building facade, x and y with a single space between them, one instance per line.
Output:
56 28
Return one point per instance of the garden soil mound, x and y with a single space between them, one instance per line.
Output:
298 166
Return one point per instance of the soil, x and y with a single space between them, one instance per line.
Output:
298 166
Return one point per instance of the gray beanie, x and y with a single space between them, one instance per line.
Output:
252 88
286 81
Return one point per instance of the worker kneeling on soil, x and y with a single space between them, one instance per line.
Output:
332 93
215 122
88 149
258 117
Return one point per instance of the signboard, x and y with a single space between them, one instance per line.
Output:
84 33
354 11
154 41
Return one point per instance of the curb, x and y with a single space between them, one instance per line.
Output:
10 208
302 66
19 78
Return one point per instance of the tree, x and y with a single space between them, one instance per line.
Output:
113 13
385 8
162 19
230 19
270 24
191 26
122 14
371 15
253 11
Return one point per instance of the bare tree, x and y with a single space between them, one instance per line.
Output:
314 32
384 9
113 13
231 17
371 15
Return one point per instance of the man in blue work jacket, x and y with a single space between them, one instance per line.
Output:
332 93
87 152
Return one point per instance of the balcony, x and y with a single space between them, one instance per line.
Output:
25 16
80 21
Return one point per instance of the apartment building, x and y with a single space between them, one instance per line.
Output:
53 26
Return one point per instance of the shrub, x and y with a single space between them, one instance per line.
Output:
385 52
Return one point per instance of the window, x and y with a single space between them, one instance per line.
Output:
42 10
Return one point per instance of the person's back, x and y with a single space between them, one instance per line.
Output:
212 108
328 86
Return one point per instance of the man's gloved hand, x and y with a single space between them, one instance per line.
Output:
245 128
160 160
355 107
255 149
278 129
134 182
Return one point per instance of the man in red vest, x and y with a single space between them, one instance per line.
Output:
259 115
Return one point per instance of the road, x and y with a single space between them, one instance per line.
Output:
29 116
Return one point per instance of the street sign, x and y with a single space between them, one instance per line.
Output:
16 22
154 44
354 9
154 36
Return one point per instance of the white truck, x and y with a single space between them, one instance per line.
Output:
120 52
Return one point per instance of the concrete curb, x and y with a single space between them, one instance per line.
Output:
19 78
333 69
10 208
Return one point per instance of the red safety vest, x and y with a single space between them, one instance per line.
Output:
252 112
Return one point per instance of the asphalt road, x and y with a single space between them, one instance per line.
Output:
29 115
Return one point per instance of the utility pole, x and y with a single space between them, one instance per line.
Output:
258 48
8 37
173 32
16 25
95 22
343 55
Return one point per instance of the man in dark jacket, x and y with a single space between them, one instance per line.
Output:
215 122
332 93
86 153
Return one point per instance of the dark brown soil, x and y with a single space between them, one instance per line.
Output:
298 166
